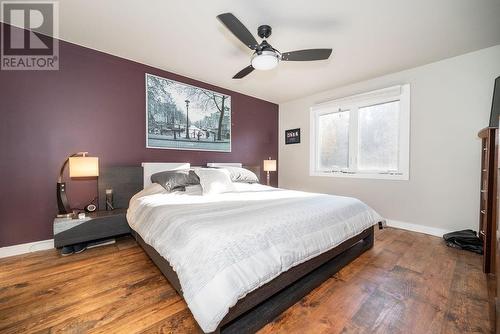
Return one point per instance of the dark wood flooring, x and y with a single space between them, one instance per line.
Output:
408 283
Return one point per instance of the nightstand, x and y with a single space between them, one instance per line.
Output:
96 225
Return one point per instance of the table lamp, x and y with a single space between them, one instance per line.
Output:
269 166
80 165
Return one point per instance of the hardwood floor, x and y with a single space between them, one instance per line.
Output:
408 283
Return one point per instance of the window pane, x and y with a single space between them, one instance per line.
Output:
378 137
333 140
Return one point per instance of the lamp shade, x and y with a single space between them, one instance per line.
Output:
83 166
269 165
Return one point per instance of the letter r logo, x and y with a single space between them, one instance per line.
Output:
29 28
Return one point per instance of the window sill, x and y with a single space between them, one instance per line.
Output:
374 176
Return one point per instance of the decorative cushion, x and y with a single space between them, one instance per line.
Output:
214 180
175 179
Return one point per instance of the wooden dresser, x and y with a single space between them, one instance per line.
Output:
496 281
488 196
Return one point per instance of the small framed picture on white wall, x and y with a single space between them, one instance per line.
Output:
292 136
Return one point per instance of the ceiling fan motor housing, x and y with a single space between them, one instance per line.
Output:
264 31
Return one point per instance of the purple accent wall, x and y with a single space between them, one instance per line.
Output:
95 103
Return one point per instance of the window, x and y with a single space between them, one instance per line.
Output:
333 134
365 135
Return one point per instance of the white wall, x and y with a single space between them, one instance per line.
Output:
450 103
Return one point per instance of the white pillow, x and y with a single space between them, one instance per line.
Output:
214 181
239 174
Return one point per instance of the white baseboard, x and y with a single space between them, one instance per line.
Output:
438 232
26 248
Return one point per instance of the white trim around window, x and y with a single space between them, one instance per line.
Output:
352 104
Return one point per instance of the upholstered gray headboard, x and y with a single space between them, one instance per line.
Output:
125 182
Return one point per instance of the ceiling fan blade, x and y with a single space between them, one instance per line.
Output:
238 29
306 55
244 72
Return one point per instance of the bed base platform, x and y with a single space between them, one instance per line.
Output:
264 304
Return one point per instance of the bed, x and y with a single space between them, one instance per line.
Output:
241 258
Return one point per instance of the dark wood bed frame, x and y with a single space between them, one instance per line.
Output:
262 305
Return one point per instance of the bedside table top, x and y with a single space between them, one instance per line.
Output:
63 224
105 213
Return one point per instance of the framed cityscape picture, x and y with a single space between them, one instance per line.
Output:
185 117
292 136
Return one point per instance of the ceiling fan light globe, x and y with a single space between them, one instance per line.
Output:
267 60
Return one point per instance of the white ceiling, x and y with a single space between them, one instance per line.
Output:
369 38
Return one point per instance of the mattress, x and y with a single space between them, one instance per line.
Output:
226 245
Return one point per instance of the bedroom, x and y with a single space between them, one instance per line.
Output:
177 167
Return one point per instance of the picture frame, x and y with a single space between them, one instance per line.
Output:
292 136
180 116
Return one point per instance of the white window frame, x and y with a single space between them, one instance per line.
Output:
399 93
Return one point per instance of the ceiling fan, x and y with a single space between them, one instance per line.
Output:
265 56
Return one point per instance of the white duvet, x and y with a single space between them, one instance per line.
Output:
224 246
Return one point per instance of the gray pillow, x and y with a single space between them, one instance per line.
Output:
175 179
242 175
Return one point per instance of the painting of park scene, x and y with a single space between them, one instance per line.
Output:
185 117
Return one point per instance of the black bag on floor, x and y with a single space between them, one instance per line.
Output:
465 239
